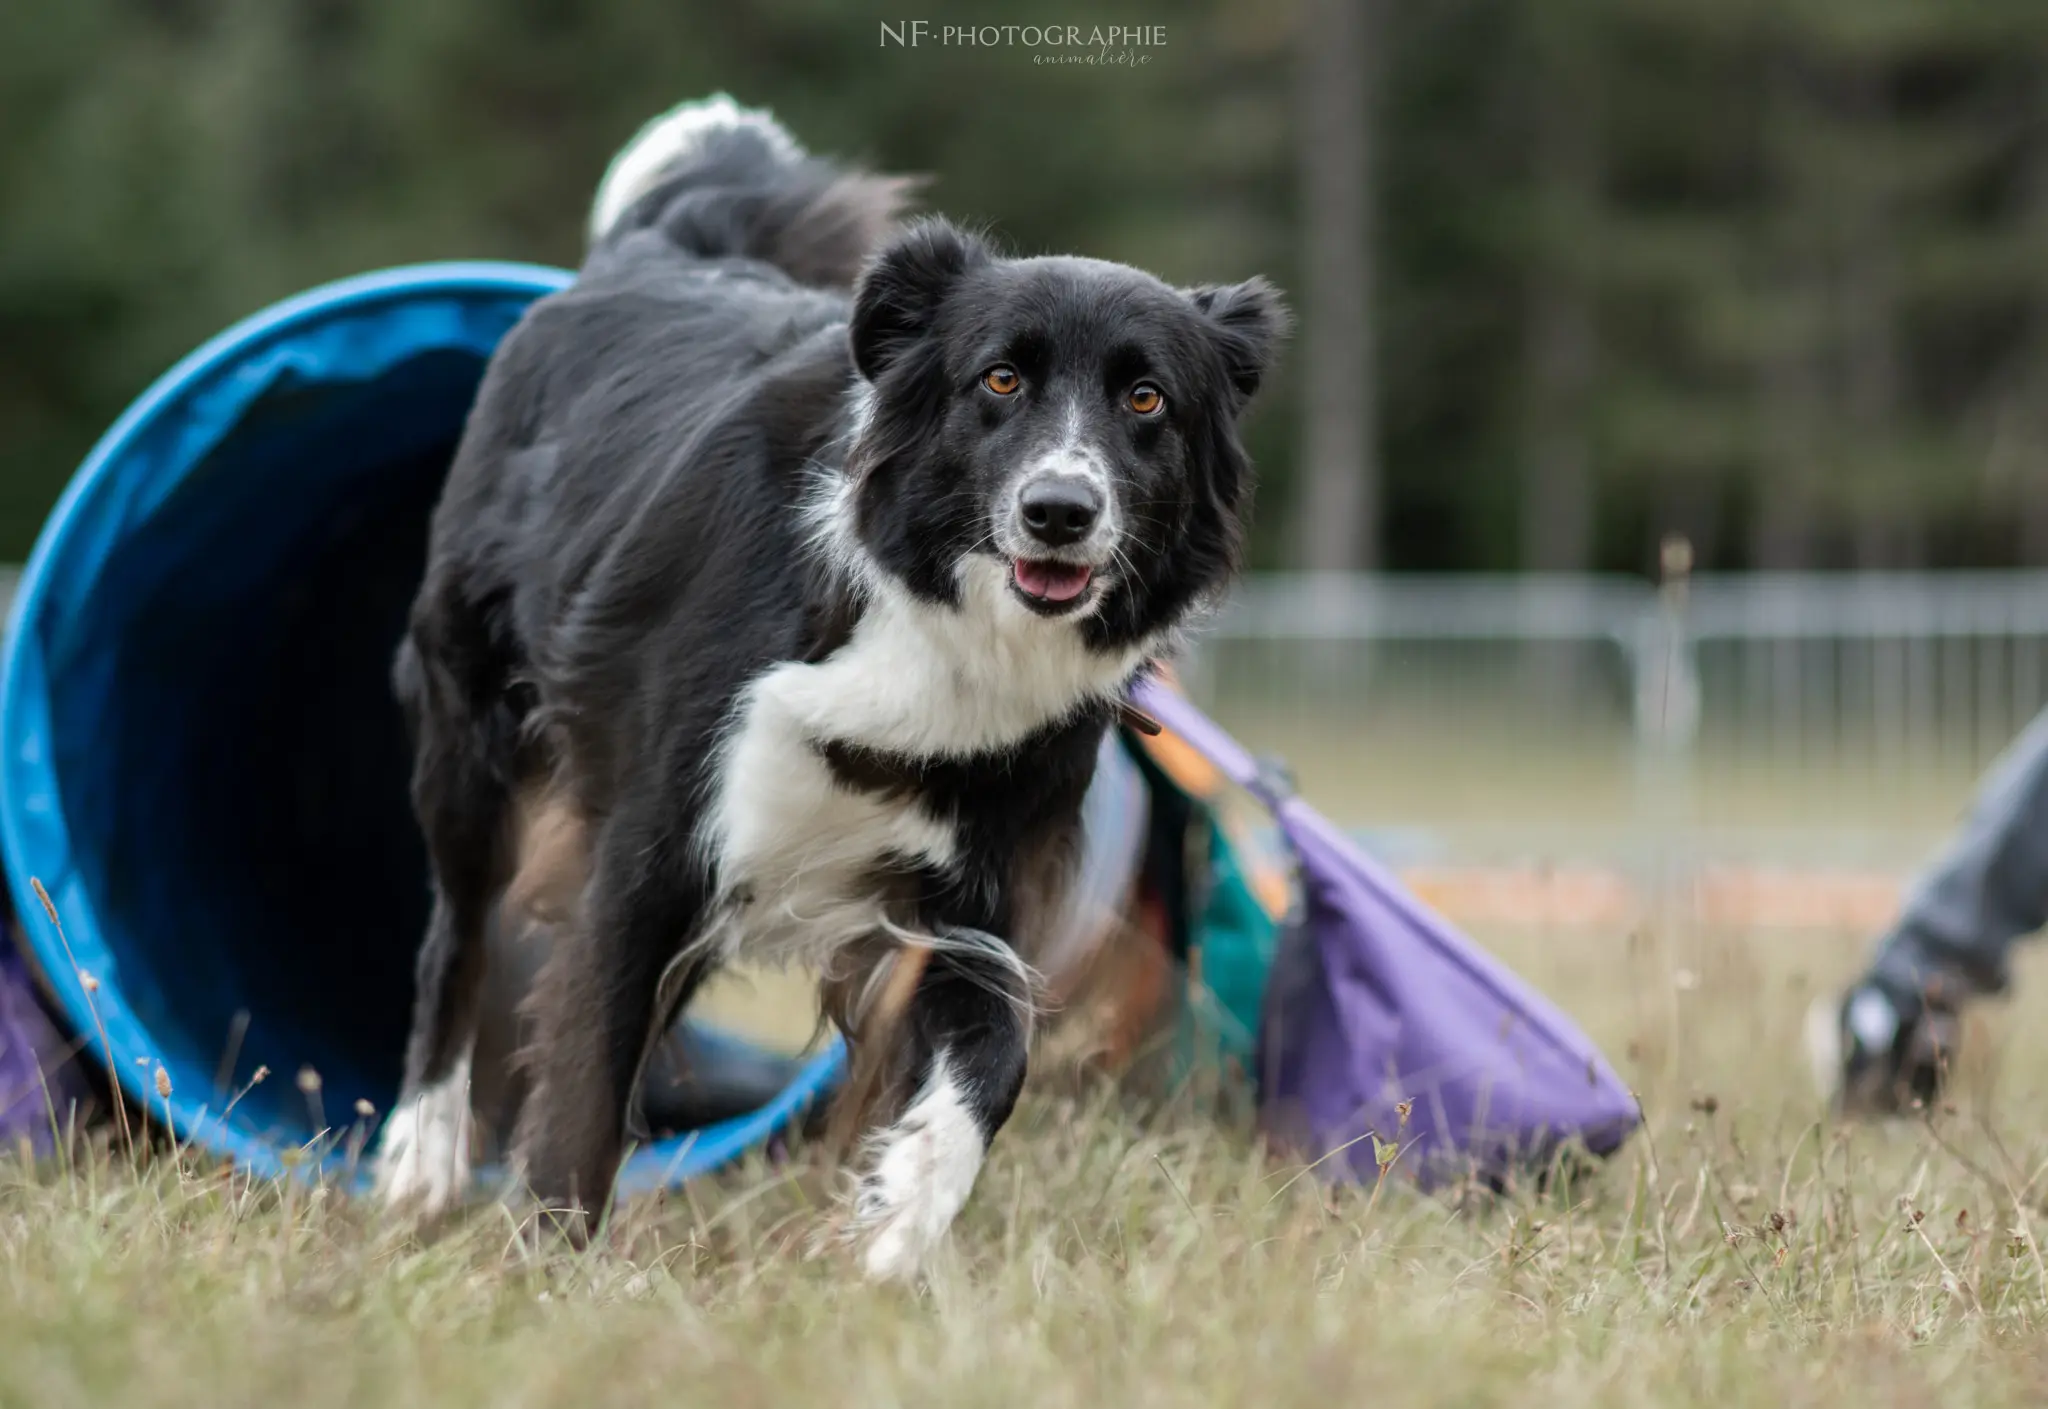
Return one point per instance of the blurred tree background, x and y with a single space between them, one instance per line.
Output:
1572 273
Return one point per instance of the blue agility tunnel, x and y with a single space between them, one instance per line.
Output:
203 763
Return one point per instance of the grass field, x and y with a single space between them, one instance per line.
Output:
1126 1252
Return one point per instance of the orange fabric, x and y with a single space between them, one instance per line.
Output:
1188 770
1269 887
1201 780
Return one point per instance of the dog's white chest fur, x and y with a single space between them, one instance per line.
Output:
796 851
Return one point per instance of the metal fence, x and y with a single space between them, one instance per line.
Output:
1803 717
1812 717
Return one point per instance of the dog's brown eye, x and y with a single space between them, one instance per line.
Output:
1146 398
1001 379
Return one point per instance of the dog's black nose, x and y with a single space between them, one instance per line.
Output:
1059 509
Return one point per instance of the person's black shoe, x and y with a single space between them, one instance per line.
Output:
1881 1049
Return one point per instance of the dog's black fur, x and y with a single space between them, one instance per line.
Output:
711 458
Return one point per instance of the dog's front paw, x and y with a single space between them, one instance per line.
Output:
423 1159
924 1168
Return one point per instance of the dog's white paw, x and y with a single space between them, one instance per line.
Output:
423 1160
924 1168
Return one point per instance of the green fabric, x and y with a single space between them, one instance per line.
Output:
1235 939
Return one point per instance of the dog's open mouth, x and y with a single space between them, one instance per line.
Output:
1050 584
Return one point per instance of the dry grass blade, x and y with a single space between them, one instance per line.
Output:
1079 1276
90 986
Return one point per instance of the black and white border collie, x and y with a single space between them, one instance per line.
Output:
790 570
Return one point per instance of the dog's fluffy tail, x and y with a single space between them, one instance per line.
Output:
720 180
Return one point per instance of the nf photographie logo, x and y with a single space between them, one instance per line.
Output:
1079 44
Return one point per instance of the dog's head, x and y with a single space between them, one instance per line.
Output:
1060 432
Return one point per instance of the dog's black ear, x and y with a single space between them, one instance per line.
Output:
1249 320
901 291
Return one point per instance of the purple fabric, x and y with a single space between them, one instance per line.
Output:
1377 1000
34 1060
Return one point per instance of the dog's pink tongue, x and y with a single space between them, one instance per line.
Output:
1055 582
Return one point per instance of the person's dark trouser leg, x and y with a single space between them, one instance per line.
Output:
1988 890
1886 1043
